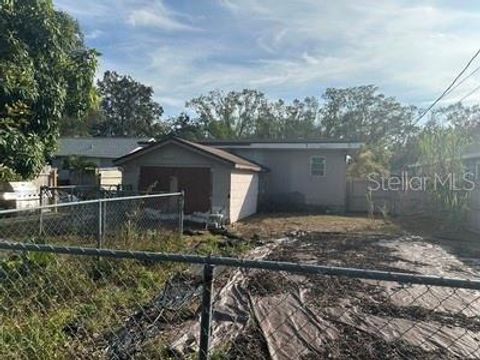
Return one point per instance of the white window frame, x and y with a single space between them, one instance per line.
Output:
312 159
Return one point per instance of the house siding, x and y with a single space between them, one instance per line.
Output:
243 194
172 155
289 178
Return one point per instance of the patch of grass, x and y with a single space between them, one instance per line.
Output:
61 306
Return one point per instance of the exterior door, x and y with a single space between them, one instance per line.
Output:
195 181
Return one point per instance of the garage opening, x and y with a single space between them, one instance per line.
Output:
195 181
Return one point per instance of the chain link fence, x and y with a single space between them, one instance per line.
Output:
71 193
78 302
119 222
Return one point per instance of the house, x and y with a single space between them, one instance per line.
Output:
100 151
302 174
232 177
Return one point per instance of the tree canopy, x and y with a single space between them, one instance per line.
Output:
357 113
47 87
248 114
127 107
46 73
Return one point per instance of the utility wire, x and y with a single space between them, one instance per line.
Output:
463 80
470 93
448 88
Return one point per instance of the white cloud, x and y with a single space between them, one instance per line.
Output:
412 50
84 8
416 49
171 101
93 34
158 16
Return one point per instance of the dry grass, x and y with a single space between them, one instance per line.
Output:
267 226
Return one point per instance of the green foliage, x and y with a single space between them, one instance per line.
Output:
440 159
371 159
185 127
363 114
248 114
456 116
52 306
78 163
71 127
128 108
46 72
357 114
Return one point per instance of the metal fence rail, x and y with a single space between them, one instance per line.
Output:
97 222
249 308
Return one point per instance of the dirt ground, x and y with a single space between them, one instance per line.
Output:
264 314
459 242
350 318
271 226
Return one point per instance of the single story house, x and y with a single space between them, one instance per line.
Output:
100 151
232 177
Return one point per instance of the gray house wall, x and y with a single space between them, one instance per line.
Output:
289 177
173 155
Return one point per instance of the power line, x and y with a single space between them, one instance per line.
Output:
463 80
470 93
448 88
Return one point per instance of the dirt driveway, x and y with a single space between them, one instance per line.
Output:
285 316
263 314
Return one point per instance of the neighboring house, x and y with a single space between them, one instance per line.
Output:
231 177
100 151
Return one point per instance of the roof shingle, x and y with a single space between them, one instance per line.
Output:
237 161
98 147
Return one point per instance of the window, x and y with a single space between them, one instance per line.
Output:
317 166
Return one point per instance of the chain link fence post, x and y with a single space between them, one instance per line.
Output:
104 222
181 206
40 225
206 319
100 223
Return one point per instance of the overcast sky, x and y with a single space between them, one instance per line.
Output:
288 49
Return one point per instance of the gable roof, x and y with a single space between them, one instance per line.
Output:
98 147
237 161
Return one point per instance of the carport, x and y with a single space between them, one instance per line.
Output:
213 180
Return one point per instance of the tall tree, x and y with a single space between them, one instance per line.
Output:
363 114
46 73
186 127
458 116
297 120
386 126
229 115
127 106
89 126
249 114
